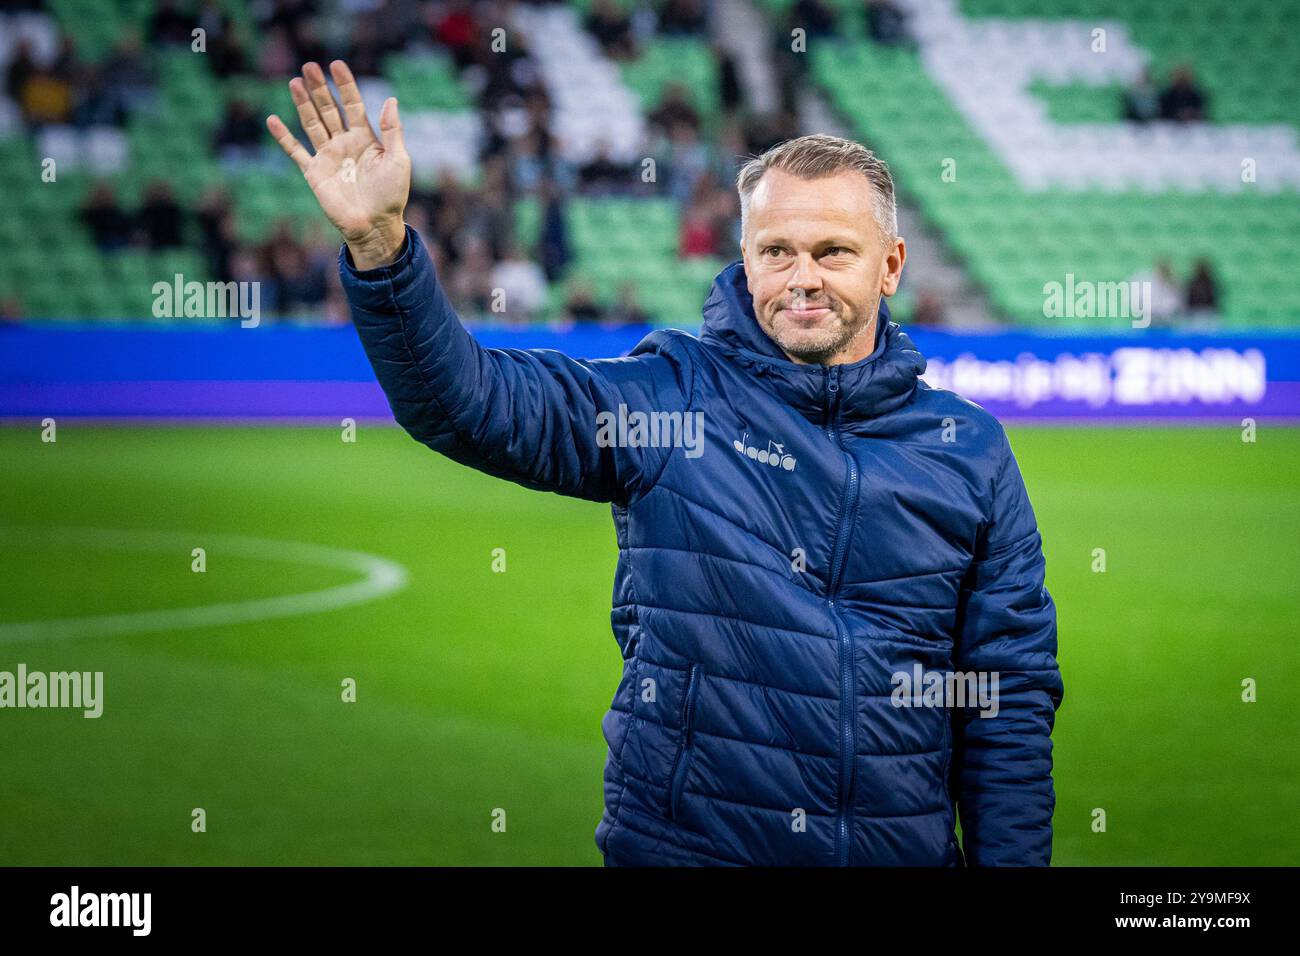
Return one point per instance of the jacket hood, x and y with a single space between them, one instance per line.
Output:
879 383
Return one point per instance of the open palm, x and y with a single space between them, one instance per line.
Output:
361 181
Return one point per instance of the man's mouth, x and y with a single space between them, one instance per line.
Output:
807 311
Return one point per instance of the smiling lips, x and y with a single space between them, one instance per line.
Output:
807 311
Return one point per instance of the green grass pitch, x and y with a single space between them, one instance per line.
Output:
479 690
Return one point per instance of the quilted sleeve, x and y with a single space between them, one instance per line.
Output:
533 416
1002 764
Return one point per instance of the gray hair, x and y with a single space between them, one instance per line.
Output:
818 155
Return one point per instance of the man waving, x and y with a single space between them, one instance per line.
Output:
831 607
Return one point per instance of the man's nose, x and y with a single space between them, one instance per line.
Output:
806 275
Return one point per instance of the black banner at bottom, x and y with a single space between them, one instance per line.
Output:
333 904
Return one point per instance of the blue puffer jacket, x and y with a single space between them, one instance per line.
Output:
837 527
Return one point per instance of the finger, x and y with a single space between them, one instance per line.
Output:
390 126
322 97
307 113
353 107
288 142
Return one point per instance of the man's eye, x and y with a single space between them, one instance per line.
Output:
772 251
835 250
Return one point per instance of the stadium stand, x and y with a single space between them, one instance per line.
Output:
594 156
1046 187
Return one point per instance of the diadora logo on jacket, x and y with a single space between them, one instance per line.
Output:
774 454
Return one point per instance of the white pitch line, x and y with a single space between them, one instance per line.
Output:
381 577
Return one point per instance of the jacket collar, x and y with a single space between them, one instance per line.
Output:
873 386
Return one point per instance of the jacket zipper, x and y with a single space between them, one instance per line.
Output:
848 701
679 765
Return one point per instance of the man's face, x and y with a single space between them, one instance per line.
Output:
816 265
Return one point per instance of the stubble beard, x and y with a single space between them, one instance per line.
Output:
818 346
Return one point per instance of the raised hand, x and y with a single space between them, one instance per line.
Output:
361 181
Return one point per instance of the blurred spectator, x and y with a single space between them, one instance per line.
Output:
498 74
128 81
109 224
492 216
686 159
336 310
528 164
1165 298
217 232
682 18
471 282
1202 290
726 214
446 210
729 92
214 20
228 55
674 107
168 26
366 53
581 304
277 58
1182 99
613 28
729 149
538 106
240 137
43 91
816 18
516 117
296 20
764 132
161 218
284 13
298 276
604 175
928 311
228 52
790 63
887 24
95 104
1141 100
522 285
397 21
706 221
307 44
301 281
456 29
553 237
698 237
627 310
22 65
417 217
246 265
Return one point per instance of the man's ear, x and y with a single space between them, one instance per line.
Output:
894 260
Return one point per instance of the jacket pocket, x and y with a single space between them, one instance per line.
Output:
684 749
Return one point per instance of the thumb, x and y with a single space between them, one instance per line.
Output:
390 126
